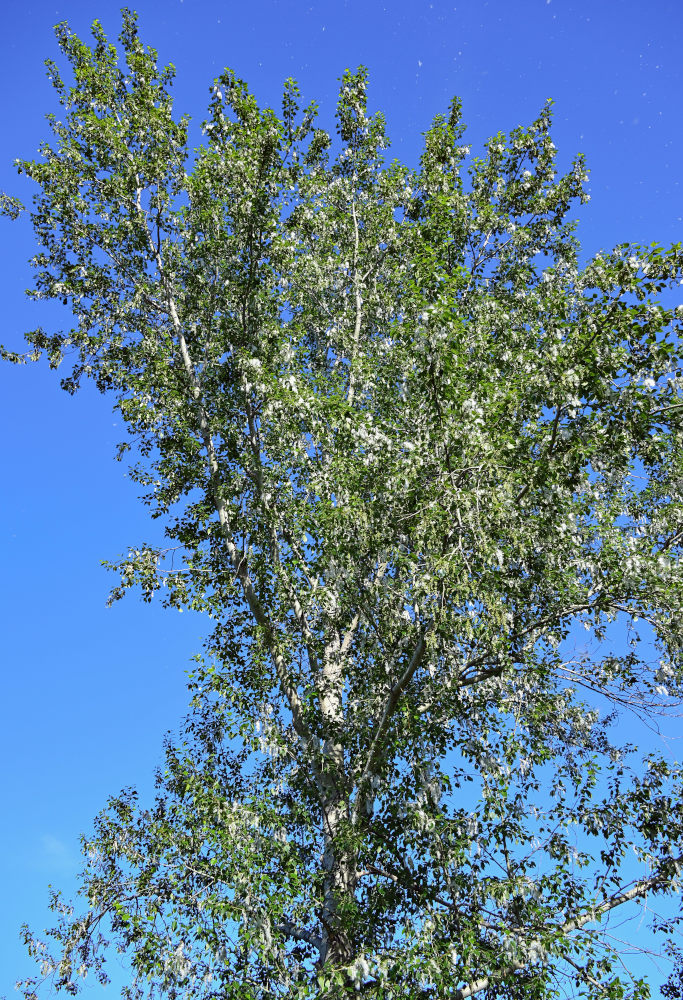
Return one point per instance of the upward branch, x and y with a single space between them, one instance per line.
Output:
237 559
382 726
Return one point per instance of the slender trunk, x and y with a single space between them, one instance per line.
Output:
339 886
338 859
339 862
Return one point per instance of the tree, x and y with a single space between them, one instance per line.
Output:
673 987
402 444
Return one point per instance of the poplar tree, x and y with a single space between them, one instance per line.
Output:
405 448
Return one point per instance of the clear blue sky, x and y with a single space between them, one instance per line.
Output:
88 692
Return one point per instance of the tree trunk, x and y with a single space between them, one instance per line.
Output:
338 861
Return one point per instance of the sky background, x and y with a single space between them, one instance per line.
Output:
88 693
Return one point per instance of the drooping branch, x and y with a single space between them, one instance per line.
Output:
639 889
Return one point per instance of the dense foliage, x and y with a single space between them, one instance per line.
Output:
403 445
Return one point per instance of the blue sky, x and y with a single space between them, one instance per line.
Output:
89 692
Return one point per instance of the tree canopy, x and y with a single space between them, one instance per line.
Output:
403 442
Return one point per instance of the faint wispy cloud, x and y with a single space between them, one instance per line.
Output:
54 854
